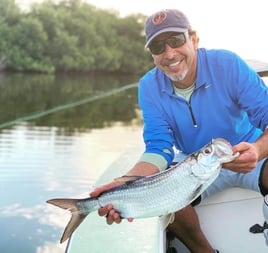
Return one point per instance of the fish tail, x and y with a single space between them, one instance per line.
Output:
77 215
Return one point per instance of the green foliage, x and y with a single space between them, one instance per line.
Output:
9 12
71 36
26 51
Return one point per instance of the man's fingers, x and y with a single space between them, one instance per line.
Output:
111 214
105 210
112 217
117 218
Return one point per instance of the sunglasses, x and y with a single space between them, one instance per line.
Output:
159 46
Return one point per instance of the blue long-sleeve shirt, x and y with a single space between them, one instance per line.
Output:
229 101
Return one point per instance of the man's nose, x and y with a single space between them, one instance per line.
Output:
169 50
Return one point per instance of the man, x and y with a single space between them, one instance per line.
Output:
192 96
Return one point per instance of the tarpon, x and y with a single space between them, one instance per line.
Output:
156 195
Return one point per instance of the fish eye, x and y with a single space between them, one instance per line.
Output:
207 150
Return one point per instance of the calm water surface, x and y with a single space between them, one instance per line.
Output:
58 155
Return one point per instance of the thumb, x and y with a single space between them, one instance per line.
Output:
103 188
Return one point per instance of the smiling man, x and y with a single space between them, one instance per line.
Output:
194 95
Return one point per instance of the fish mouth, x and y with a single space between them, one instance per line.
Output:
221 140
223 150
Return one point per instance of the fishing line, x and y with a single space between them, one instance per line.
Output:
67 106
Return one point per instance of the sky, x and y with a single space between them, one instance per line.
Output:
239 26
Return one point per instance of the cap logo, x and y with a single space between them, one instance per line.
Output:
159 17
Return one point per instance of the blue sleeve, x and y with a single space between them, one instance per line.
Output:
157 133
252 94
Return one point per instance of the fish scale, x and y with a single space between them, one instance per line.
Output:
156 195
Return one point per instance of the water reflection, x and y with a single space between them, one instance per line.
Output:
60 155
22 95
37 164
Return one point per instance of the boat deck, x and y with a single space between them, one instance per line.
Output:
226 219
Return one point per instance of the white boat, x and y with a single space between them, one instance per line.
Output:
226 218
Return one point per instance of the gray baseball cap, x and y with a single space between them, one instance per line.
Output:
169 20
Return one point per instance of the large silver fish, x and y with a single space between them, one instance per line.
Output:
156 195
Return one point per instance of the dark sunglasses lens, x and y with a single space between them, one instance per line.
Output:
157 47
176 41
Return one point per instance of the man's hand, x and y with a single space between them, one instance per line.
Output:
111 214
97 191
246 161
139 169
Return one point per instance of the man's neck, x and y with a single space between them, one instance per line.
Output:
184 84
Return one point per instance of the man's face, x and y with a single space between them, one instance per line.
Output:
177 62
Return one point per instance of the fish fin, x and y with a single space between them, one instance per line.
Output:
72 225
127 179
69 204
76 219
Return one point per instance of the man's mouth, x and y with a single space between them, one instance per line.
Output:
174 64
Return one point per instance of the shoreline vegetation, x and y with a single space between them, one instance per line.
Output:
71 36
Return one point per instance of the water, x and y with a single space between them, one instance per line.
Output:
59 155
